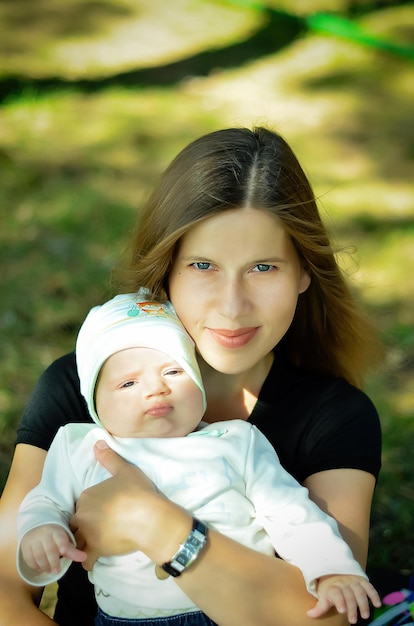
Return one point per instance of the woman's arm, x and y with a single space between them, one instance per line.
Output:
346 495
18 601
231 583
236 585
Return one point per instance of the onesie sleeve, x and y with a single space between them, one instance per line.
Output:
50 502
299 531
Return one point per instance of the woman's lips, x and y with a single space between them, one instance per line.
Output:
233 338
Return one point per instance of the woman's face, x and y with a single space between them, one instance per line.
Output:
235 284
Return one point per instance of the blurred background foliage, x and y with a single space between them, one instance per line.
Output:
97 96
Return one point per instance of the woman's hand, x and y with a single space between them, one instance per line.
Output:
126 513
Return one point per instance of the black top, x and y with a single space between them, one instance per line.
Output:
314 424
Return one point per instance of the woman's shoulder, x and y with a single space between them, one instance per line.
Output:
317 423
294 387
62 367
59 380
55 401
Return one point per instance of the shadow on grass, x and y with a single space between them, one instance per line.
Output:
279 30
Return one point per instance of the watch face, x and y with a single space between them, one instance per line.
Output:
184 557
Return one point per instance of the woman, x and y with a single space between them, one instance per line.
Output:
233 237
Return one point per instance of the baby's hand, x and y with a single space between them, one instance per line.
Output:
347 594
43 546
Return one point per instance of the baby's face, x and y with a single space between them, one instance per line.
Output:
144 393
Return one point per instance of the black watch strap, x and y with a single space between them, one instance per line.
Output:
188 551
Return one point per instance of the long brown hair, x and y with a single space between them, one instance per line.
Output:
234 168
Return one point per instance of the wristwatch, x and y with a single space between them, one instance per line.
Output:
188 551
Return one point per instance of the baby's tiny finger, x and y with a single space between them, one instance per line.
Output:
362 600
41 559
372 593
348 603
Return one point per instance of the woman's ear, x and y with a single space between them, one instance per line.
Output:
305 280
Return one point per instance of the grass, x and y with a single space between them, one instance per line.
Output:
76 164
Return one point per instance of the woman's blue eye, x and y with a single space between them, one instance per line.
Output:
263 267
202 265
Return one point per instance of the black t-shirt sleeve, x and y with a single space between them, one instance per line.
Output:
55 401
317 424
346 432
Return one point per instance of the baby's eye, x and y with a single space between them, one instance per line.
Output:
173 372
128 383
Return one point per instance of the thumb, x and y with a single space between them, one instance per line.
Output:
321 607
74 554
109 458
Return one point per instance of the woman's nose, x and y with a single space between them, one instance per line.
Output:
234 301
